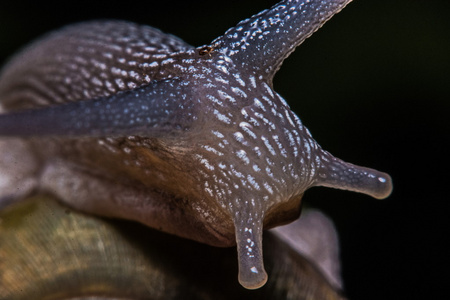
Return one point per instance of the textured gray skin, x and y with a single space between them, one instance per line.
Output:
192 141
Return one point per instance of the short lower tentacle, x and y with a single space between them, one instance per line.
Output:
252 274
334 172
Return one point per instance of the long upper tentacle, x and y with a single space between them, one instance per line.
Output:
263 41
152 111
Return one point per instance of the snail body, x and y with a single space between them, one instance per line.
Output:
124 121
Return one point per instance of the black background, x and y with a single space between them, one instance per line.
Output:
373 87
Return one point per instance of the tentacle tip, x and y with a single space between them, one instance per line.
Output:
252 274
384 186
252 277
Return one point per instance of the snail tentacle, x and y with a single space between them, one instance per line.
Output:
154 110
336 173
263 41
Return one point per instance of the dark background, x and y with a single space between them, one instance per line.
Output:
373 87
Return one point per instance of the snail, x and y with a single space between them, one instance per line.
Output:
121 120
49 251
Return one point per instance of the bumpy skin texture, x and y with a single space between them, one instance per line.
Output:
191 141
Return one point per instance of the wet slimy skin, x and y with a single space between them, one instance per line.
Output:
125 121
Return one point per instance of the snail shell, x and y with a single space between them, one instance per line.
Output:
49 251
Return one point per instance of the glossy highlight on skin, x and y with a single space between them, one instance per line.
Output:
125 121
